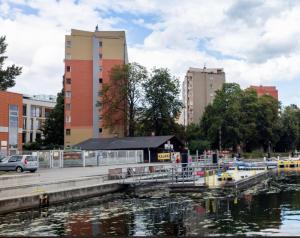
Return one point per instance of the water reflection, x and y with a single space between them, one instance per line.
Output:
176 214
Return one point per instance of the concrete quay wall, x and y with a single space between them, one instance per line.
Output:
34 201
38 188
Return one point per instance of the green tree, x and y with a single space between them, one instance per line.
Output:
267 122
161 103
248 110
290 129
221 119
7 75
121 96
195 139
53 129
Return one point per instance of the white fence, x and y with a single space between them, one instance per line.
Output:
78 158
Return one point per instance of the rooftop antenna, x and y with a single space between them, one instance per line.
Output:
96 29
204 67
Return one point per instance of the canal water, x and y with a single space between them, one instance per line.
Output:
275 211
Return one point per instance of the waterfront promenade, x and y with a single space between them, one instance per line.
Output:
19 191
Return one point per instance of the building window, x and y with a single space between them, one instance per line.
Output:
47 112
68 44
100 118
13 125
24 110
68 132
68 56
100 80
68 81
24 123
31 123
24 137
36 111
31 137
68 94
68 119
100 56
39 124
68 106
100 68
68 68
100 43
100 130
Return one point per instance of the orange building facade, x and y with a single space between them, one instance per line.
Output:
89 57
266 90
11 122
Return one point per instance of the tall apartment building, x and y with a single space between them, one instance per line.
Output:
198 90
36 110
89 57
266 90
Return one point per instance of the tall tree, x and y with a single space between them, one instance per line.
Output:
220 121
248 118
267 123
161 105
7 75
121 96
53 128
290 129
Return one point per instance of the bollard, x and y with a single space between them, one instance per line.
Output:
44 200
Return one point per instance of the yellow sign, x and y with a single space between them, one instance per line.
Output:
163 156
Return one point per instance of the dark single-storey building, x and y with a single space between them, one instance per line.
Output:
151 145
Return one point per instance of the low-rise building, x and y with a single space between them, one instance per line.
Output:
21 119
11 123
36 109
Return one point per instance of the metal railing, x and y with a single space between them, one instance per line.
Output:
82 158
171 173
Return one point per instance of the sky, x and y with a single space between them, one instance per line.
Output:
257 42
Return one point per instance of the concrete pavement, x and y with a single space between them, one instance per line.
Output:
49 180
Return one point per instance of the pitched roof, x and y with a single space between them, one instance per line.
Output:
123 143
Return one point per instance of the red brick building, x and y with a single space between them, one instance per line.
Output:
11 122
266 90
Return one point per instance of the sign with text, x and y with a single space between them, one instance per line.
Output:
163 156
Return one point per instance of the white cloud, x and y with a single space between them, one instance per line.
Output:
261 38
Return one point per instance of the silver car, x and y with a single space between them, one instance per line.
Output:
19 163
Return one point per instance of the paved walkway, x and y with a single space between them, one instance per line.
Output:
13 184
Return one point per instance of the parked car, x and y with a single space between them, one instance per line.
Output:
2 157
19 163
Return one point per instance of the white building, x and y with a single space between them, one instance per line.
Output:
36 109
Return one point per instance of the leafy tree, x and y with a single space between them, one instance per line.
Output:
248 117
241 119
199 145
267 123
53 129
7 75
161 103
290 129
221 119
121 96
